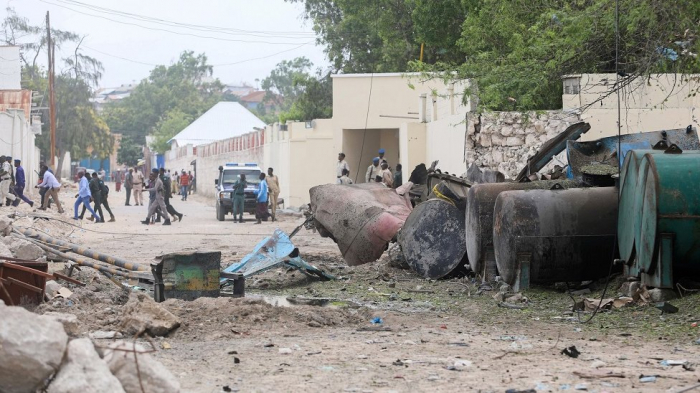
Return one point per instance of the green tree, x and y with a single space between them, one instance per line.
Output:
129 151
184 86
281 85
365 35
79 129
518 50
172 123
315 100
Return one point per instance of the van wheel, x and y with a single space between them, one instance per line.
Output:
220 213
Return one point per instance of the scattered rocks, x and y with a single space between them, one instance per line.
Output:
84 371
120 357
31 349
143 314
105 335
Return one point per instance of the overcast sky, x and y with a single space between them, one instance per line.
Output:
276 25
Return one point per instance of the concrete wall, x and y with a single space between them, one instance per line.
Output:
503 141
662 101
413 146
17 139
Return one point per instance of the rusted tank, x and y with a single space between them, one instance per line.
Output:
546 236
479 220
432 239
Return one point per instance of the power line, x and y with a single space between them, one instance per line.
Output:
170 31
225 30
262 57
213 65
119 57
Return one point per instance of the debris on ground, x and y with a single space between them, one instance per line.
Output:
361 218
135 369
84 371
142 314
31 349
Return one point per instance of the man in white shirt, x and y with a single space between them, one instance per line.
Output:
52 189
344 180
342 165
5 180
373 171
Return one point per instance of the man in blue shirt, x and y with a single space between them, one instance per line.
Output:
261 194
84 196
20 184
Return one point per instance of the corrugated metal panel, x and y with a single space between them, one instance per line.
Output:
16 99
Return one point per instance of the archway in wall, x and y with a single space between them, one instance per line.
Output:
361 146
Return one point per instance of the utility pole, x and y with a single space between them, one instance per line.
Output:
52 98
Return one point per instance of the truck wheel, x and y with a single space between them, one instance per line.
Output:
220 212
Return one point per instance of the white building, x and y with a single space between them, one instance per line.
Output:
18 129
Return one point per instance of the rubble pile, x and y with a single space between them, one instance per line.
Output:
37 355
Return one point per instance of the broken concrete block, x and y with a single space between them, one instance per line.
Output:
155 377
31 349
69 321
143 314
5 251
84 371
23 249
485 140
5 226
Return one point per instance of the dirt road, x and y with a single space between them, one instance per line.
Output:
442 336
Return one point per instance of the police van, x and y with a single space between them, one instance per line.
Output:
228 174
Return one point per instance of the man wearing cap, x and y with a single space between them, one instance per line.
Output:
342 164
381 156
5 180
20 184
373 171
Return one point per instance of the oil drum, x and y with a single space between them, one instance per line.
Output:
479 220
669 237
562 235
432 239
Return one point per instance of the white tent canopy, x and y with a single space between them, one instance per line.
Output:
224 120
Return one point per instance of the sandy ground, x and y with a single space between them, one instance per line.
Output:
436 336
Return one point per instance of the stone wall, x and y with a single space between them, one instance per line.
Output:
503 141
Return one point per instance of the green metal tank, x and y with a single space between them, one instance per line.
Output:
668 245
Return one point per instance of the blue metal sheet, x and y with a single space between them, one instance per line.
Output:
272 252
604 150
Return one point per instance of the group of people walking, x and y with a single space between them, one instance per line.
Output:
13 182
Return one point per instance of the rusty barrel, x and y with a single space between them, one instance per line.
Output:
432 239
562 235
479 220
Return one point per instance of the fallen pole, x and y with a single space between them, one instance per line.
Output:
87 252
84 262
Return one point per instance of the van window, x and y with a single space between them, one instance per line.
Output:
251 176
